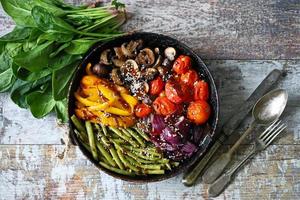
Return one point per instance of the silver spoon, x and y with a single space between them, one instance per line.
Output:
266 110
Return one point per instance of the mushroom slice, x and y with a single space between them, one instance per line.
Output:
129 50
119 53
145 58
150 73
116 76
130 70
158 61
170 53
101 70
117 62
104 57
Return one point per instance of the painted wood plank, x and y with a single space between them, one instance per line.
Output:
35 172
257 29
235 79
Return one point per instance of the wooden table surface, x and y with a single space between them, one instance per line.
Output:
241 41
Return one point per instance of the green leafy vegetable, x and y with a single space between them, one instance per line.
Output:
40 55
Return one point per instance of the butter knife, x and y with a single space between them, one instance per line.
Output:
230 125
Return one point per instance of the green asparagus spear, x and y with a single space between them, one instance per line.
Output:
104 130
156 171
116 158
77 123
102 136
144 135
91 137
125 133
116 131
126 163
143 166
135 136
119 171
105 154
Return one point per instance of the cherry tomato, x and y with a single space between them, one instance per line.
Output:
156 86
201 91
199 112
142 110
174 92
163 106
182 64
189 78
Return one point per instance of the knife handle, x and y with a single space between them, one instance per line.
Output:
190 178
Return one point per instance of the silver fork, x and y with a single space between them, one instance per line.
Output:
262 142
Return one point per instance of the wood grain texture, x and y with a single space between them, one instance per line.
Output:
35 172
234 29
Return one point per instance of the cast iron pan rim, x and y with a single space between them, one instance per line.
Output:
184 166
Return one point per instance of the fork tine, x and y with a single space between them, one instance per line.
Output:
267 138
275 134
269 130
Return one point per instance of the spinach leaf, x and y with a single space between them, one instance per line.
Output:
50 7
40 103
36 59
61 48
80 46
25 75
7 80
61 110
5 61
18 34
61 79
57 37
63 60
49 23
20 11
22 88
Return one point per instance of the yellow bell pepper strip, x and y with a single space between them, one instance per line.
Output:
117 111
108 93
88 69
121 89
132 101
90 81
102 106
87 102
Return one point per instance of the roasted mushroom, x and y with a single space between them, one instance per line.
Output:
117 62
104 57
129 50
145 58
101 70
119 53
130 70
150 73
170 53
116 76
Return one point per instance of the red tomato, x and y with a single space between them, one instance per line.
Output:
163 106
189 78
199 112
142 110
174 92
201 91
156 86
182 64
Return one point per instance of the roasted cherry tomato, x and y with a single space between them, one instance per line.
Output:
156 86
163 106
174 92
199 112
201 91
182 64
189 78
142 110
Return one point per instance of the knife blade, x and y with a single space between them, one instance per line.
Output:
230 125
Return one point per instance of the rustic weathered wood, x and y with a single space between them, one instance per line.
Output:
257 29
35 172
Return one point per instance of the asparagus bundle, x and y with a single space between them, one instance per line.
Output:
123 151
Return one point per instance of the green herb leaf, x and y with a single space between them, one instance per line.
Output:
63 60
36 59
61 48
7 80
47 22
80 46
61 79
57 37
20 11
18 34
61 110
40 103
22 88
25 75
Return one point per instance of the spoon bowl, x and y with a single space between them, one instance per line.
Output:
269 107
